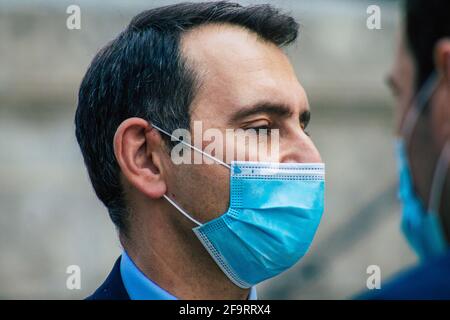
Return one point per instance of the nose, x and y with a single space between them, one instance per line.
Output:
298 147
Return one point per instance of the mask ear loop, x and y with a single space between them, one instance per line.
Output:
198 150
439 179
193 147
419 104
182 211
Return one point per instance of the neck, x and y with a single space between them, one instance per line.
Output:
164 247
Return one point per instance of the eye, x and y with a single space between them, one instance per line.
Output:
262 128
305 117
259 126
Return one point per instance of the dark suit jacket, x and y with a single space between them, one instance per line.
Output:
112 288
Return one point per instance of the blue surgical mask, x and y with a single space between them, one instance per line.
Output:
274 212
421 225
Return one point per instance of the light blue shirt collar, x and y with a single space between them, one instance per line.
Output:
139 287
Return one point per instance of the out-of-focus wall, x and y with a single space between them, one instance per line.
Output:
50 218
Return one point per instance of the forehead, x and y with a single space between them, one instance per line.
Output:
237 67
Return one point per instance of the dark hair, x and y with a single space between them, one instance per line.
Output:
141 73
427 21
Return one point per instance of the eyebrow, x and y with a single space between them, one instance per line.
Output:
277 109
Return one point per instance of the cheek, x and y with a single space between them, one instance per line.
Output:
204 189
214 191
423 158
440 112
405 75
403 108
400 113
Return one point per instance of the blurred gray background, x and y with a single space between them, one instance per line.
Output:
50 217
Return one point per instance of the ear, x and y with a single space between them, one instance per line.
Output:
442 59
138 150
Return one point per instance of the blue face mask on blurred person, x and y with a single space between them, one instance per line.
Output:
421 227
275 210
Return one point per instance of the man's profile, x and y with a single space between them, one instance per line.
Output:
200 231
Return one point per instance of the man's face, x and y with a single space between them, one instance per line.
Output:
401 82
246 83
422 152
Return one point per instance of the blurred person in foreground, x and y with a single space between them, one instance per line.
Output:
420 81
199 231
